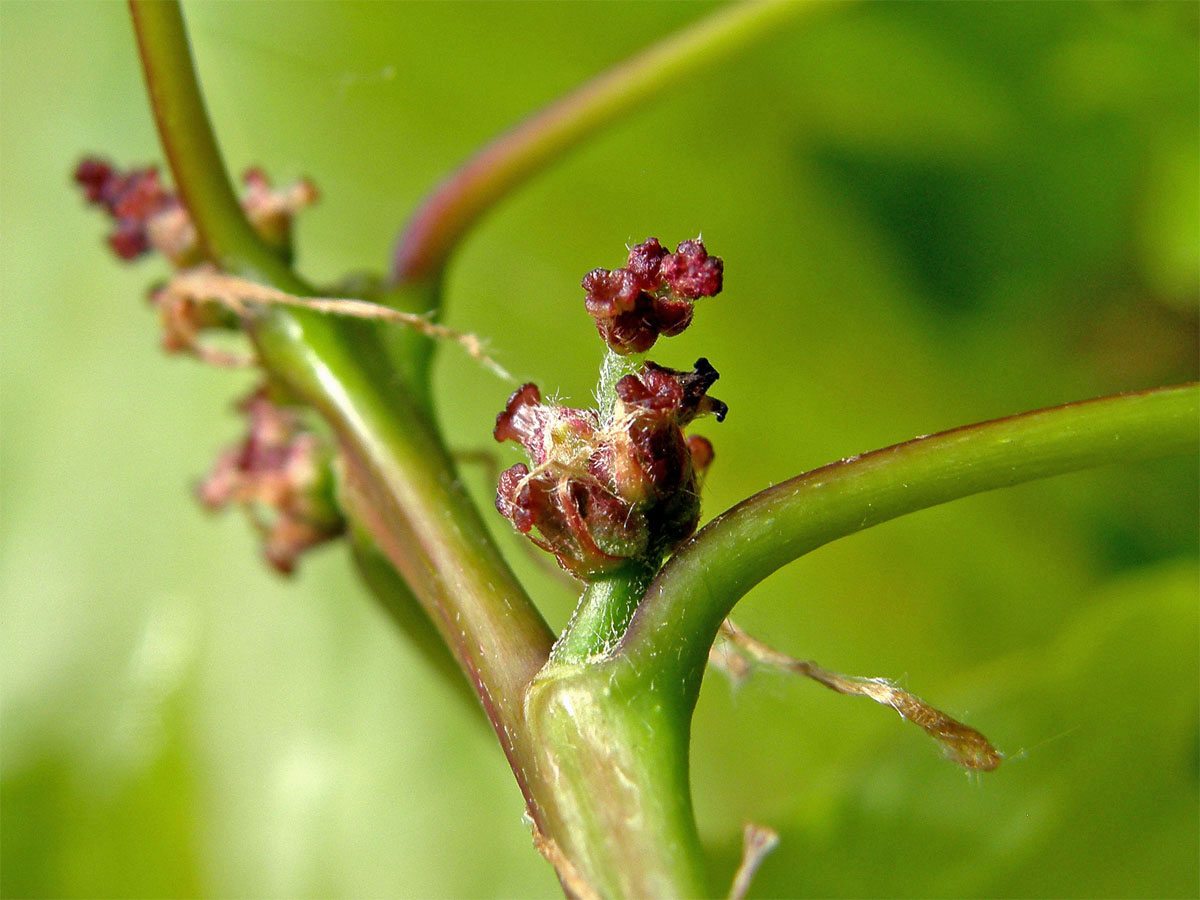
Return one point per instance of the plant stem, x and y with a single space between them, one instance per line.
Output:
677 621
603 613
401 483
614 367
200 174
450 211
612 748
608 602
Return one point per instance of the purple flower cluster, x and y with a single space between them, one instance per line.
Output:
598 493
652 295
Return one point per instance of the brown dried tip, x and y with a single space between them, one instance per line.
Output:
960 743
701 449
599 495
757 842
652 295
281 475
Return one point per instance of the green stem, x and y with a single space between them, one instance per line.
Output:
450 211
603 614
196 162
670 634
612 747
401 483
608 601
614 367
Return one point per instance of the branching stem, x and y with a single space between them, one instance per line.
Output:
450 211
676 622
399 482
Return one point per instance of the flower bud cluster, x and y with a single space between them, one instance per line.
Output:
652 295
133 199
602 492
281 474
149 217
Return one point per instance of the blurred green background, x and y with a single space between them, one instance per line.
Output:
931 214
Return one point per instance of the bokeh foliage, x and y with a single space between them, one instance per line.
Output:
931 214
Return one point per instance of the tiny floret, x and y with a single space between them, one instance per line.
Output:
653 295
281 474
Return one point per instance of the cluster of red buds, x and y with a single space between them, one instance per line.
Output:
652 295
149 217
281 474
600 493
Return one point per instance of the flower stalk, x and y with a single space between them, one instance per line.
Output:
450 211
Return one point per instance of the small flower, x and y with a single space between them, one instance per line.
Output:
271 211
184 319
652 295
682 395
551 435
131 198
691 273
644 262
610 293
648 458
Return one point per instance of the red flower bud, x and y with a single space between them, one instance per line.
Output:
631 332
652 296
93 175
690 272
598 496
148 217
681 395
672 315
609 293
643 264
